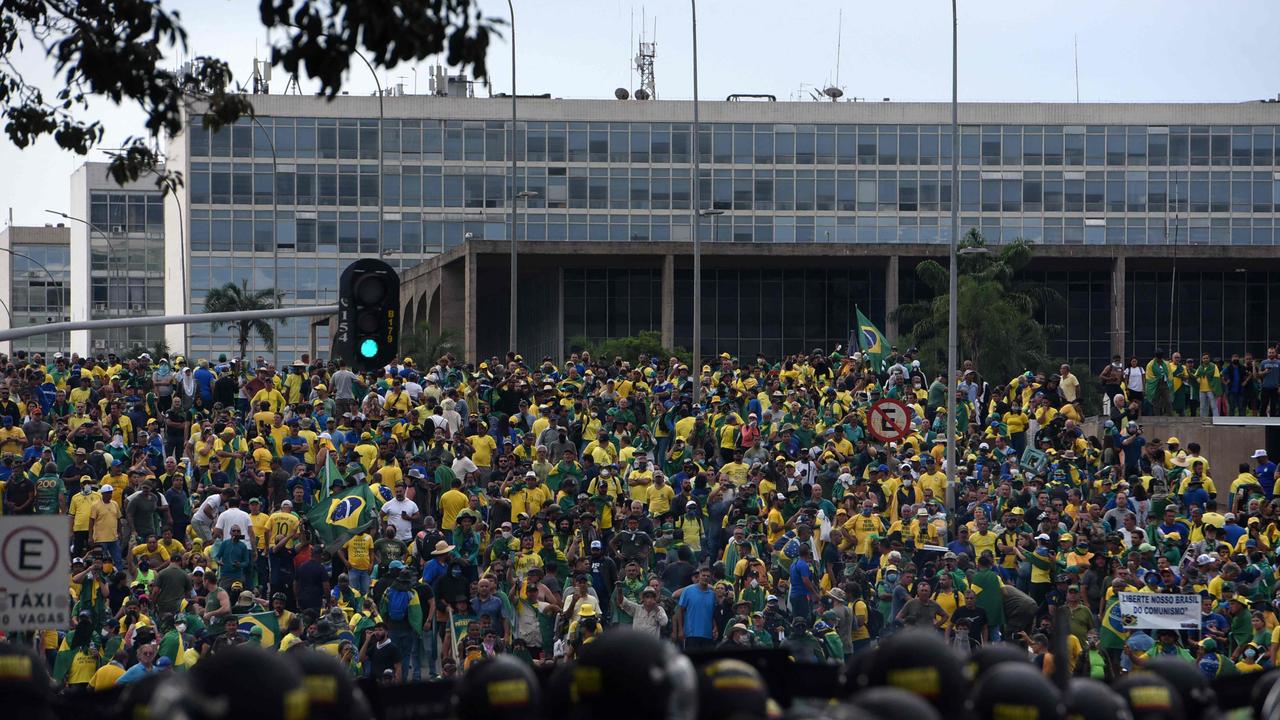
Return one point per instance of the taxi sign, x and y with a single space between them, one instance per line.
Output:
34 562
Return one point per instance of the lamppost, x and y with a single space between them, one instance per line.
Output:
694 221
513 335
275 241
953 273
525 195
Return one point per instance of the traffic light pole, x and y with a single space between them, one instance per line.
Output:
188 319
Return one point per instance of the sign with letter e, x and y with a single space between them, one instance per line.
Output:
34 562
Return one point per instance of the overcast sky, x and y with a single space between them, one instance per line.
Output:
1135 51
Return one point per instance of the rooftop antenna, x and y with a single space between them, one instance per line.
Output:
648 89
1075 46
631 37
835 92
839 38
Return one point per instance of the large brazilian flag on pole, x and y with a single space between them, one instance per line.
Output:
874 347
344 514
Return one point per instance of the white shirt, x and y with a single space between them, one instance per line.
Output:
235 517
392 508
212 503
462 466
1136 378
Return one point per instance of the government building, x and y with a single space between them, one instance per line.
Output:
1156 222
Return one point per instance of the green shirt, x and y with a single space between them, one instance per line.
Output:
49 488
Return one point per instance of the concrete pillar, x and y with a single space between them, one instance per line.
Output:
559 353
890 298
452 299
1118 309
470 326
668 301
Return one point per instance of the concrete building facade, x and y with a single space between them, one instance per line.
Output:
117 259
1156 222
35 264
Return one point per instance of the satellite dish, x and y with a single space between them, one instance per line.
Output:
621 94
642 94
833 93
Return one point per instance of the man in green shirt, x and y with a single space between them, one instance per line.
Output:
51 495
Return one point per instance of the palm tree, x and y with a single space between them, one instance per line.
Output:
426 346
238 298
999 329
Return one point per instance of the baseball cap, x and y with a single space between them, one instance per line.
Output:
596 545
107 488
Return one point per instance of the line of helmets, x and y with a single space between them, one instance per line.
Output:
628 675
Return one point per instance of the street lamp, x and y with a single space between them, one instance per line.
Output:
275 241
714 214
952 272
514 336
694 220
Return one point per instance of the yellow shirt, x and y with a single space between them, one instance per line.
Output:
736 472
262 459
527 500
360 552
269 395
79 509
260 521
390 476
452 502
106 676
660 499
483 447
106 522
984 542
280 524
12 439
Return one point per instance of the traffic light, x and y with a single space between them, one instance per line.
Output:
368 314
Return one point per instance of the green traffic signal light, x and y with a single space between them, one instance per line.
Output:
368 348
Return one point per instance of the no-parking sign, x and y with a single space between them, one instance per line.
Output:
34 561
889 420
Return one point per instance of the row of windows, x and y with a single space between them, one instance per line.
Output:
761 190
408 239
802 144
119 212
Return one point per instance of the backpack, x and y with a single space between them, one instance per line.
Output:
875 620
398 604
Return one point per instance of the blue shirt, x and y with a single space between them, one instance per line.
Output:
799 571
134 674
1196 497
1271 379
1133 451
204 378
699 610
1266 474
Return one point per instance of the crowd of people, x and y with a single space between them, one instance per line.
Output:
413 522
1207 387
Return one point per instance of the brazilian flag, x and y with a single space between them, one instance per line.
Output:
268 622
344 514
871 342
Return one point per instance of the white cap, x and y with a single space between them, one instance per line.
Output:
1205 559
1259 453
106 488
984 446
531 474
1042 536
286 504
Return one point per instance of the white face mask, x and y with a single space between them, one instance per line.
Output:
180 627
